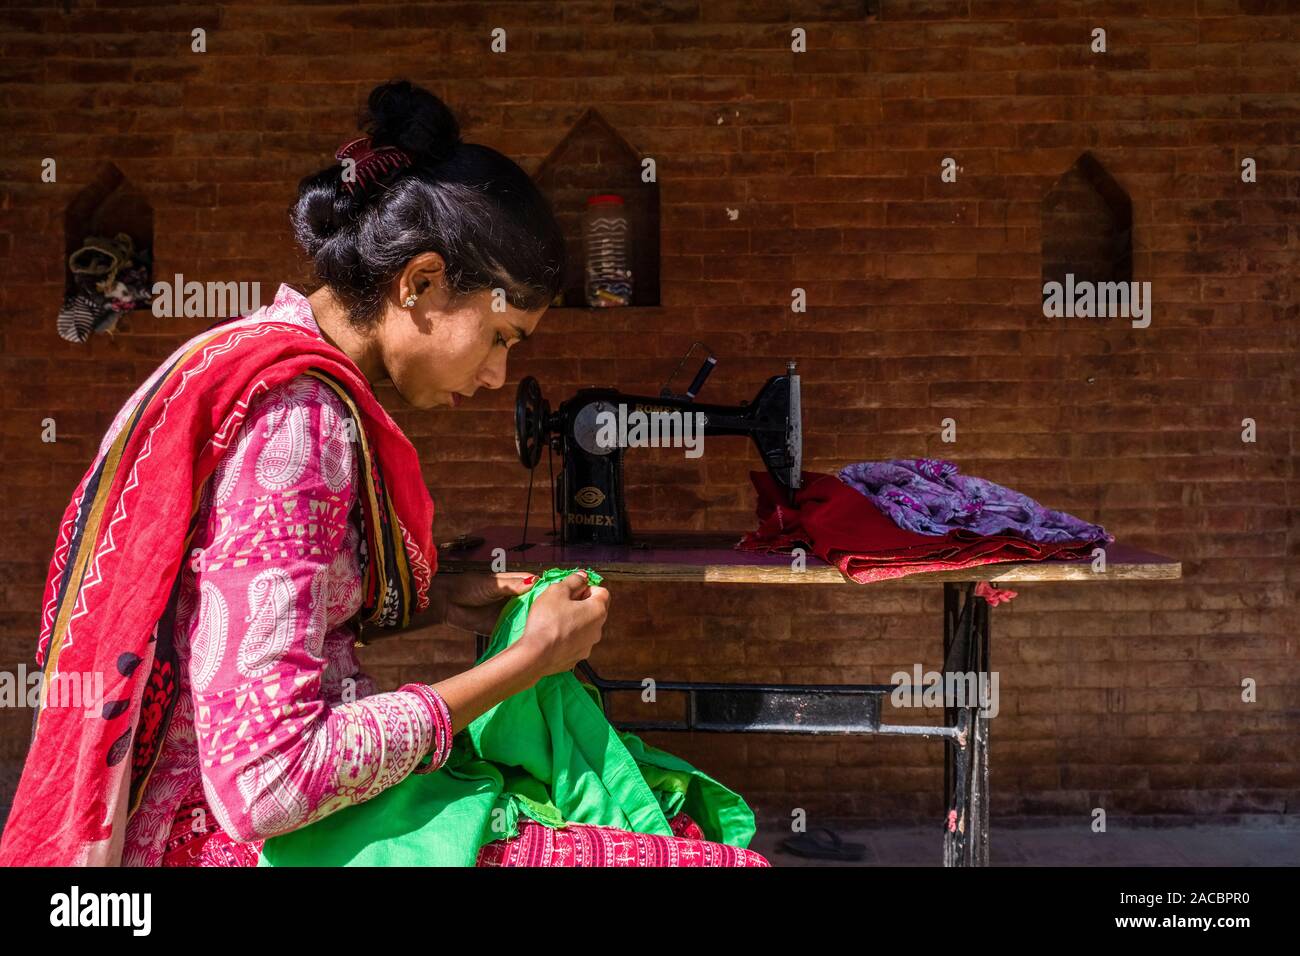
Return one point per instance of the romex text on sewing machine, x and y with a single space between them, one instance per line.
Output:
649 427
606 521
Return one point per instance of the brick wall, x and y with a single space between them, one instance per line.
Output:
924 303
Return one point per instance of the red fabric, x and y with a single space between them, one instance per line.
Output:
842 527
197 840
68 807
583 845
993 594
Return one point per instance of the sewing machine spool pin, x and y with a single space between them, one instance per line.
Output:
697 383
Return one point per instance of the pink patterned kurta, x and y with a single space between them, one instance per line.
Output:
275 724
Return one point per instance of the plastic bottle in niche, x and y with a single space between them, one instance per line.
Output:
606 237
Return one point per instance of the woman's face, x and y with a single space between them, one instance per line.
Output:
443 349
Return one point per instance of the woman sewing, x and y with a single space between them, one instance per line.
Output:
253 511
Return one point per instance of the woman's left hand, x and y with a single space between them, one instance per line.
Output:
472 601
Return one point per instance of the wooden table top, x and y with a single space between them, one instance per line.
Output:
708 556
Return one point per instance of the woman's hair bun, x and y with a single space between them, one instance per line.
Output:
318 215
466 202
401 114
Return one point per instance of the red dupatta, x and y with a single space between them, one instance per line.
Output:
843 527
112 584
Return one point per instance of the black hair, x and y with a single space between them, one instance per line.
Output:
469 203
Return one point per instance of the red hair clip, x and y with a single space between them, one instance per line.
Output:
371 162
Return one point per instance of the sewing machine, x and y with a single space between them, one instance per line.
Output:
590 432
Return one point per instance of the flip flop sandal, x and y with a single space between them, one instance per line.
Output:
812 846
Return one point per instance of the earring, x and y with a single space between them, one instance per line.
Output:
409 300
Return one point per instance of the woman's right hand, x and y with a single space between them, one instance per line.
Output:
564 624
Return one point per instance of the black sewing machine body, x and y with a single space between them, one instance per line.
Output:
589 493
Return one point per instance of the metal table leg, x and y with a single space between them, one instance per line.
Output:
966 754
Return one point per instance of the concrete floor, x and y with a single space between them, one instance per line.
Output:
1248 843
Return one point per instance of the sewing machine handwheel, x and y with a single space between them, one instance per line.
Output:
530 422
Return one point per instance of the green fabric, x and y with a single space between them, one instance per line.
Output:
548 753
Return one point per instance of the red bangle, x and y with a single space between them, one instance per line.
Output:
441 717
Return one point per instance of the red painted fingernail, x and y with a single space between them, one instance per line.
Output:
530 579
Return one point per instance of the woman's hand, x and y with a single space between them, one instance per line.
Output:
473 601
564 624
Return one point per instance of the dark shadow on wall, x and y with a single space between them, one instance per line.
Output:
1087 226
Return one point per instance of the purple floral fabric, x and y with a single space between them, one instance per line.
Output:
928 496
